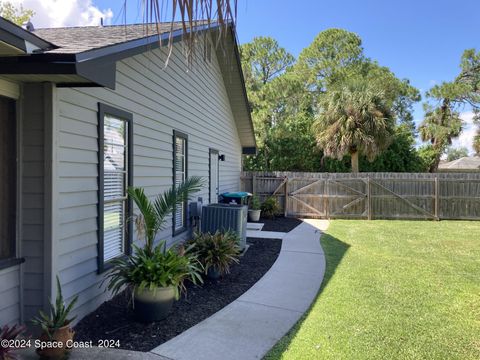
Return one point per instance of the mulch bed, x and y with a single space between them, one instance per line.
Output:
115 320
280 223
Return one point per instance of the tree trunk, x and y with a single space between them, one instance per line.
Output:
354 156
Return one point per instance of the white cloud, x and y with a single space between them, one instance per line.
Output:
58 13
469 130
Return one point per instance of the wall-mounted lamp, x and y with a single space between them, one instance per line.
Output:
221 157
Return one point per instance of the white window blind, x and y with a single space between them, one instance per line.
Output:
180 176
115 178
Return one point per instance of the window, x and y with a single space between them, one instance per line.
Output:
115 176
180 160
8 176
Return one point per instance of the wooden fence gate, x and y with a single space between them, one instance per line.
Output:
370 196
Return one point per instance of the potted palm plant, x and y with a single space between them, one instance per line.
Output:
153 273
254 210
216 252
56 330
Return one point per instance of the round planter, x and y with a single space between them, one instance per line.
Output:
153 305
254 215
213 273
61 335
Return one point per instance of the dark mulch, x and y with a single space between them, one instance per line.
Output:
115 320
280 223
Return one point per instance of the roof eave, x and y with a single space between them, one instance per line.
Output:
20 38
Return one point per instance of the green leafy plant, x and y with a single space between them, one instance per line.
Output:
153 214
255 202
216 251
156 267
10 333
270 207
59 313
153 266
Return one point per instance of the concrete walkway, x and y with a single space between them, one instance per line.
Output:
265 234
248 327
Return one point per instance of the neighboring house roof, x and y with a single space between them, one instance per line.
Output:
468 163
87 56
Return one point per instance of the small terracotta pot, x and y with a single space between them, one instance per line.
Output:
64 334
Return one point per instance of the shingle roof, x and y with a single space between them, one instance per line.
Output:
464 163
73 40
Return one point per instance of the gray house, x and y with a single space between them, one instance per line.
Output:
86 112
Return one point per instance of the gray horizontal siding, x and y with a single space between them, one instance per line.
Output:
10 295
161 100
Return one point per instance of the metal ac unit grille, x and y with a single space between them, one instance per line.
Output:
224 217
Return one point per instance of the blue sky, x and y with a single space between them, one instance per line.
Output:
420 40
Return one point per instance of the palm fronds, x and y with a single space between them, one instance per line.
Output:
191 14
354 118
153 214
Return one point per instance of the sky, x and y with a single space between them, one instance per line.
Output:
420 40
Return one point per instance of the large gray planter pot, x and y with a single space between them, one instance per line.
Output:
254 215
213 273
153 305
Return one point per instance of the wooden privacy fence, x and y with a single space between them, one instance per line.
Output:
370 195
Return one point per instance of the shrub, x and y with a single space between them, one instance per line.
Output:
157 267
217 251
255 203
270 207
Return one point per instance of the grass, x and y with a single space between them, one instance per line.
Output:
393 290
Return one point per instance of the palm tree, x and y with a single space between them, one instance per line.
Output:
439 127
354 119
153 214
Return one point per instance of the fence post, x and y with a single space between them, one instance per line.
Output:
327 198
437 197
286 197
369 198
254 184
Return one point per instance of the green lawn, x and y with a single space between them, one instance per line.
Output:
393 290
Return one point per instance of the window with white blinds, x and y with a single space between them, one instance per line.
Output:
179 175
115 173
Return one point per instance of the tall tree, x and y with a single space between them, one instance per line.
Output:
476 138
332 56
354 119
263 62
442 121
476 143
17 15
440 126
455 153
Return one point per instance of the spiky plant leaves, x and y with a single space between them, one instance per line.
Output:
59 312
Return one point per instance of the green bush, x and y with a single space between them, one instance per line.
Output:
270 207
217 251
157 267
255 203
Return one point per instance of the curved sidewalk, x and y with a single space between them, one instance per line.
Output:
249 326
